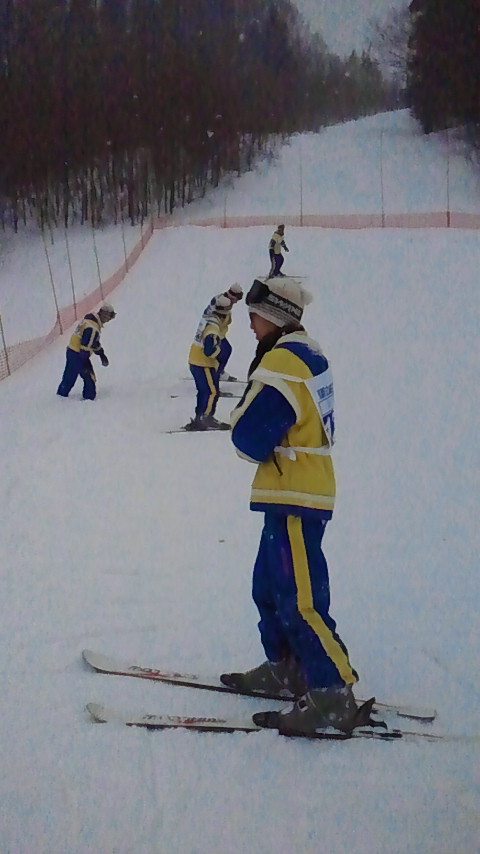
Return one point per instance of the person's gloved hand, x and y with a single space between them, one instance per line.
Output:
104 360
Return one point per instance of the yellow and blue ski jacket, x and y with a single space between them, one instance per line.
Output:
224 319
205 348
277 243
86 337
285 423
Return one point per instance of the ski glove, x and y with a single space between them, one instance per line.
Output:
104 360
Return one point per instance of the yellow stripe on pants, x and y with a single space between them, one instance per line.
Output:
305 601
213 390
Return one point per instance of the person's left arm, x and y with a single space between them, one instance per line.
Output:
90 340
261 424
211 338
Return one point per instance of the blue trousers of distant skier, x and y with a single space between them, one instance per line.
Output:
78 365
292 593
277 264
224 355
207 384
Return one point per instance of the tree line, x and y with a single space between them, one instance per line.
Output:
432 47
120 108
443 69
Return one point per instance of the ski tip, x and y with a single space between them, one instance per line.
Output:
101 714
88 656
94 659
97 661
98 712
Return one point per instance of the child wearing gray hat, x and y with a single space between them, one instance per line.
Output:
285 425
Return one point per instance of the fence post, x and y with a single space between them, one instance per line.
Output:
98 265
71 274
124 244
382 193
52 283
301 182
448 179
4 346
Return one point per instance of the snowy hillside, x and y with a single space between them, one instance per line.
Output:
121 538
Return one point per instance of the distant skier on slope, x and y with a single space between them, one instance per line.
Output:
203 361
84 342
285 424
277 243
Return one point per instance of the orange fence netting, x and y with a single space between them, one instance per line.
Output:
14 356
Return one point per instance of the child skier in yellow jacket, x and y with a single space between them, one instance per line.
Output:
203 361
285 424
83 343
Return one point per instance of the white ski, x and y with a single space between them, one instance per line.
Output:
103 714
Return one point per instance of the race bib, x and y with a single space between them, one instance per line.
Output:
321 390
201 326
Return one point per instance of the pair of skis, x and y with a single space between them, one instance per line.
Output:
222 394
185 429
385 730
226 394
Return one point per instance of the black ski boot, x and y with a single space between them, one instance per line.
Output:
272 678
318 710
195 424
211 423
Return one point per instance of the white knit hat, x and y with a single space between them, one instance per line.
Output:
221 305
235 291
279 300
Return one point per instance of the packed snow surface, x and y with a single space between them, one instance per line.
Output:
121 538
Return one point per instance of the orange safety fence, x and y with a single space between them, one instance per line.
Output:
14 356
439 219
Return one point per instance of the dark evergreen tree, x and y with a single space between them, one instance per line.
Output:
109 106
444 62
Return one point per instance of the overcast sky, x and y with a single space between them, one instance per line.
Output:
344 23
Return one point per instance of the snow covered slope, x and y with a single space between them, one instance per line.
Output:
120 538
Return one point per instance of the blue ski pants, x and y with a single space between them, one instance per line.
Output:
77 364
224 355
292 593
207 383
277 264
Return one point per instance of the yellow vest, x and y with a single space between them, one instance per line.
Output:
224 323
207 326
277 239
92 324
294 477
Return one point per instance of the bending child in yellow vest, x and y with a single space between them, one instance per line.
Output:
84 342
